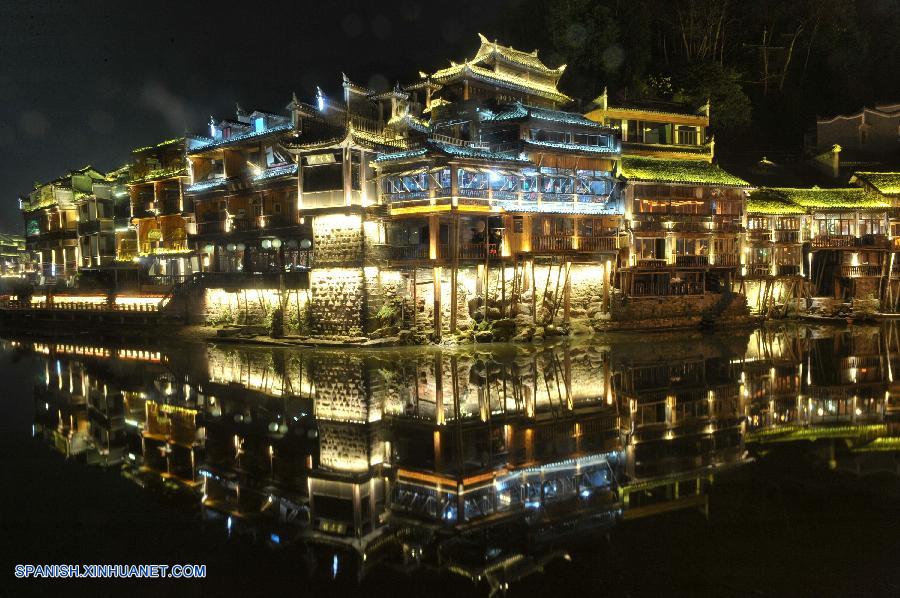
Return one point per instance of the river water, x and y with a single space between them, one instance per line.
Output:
757 462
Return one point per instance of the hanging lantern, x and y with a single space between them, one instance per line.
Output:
266 244
276 243
231 247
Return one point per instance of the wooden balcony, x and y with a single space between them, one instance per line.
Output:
727 259
651 264
851 241
691 261
759 269
787 236
725 226
408 252
467 251
861 271
788 269
102 225
573 244
211 227
666 288
833 241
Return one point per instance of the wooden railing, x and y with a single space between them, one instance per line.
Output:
545 243
727 259
644 288
651 263
409 252
787 236
788 269
724 226
834 241
691 261
214 226
61 304
759 269
861 271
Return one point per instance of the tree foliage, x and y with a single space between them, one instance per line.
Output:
769 66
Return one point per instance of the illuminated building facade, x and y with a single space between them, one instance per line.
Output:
100 214
684 216
161 217
51 222
472 202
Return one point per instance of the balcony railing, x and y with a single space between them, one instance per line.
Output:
727 259
651 263
861 271
834 241
475 250
212 227
653 288
759 269
788 269
690 227
647 225
691 261
89 227
727 227
583 244
787 236
408 252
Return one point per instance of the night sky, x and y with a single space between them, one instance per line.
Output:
85 83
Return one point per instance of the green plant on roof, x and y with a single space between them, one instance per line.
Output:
696 172
887 183
833 198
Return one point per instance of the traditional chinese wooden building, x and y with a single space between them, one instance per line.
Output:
161 216
51 222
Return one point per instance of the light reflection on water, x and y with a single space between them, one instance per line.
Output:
481 462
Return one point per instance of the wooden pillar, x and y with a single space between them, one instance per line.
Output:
299 183
434 229
454 272
347 177
438 390
604 298
415 300
363 196
437 302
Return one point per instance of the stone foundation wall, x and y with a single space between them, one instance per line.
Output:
337 239
341 391
254 307
674 312
343 447
337 300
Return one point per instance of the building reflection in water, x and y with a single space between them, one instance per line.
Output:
481 462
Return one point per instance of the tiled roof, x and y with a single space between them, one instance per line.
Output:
502 79
275 172
698 172
448 149
886 183
816 198
206 185
239 138
574 147
765 201
522 111
529 60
